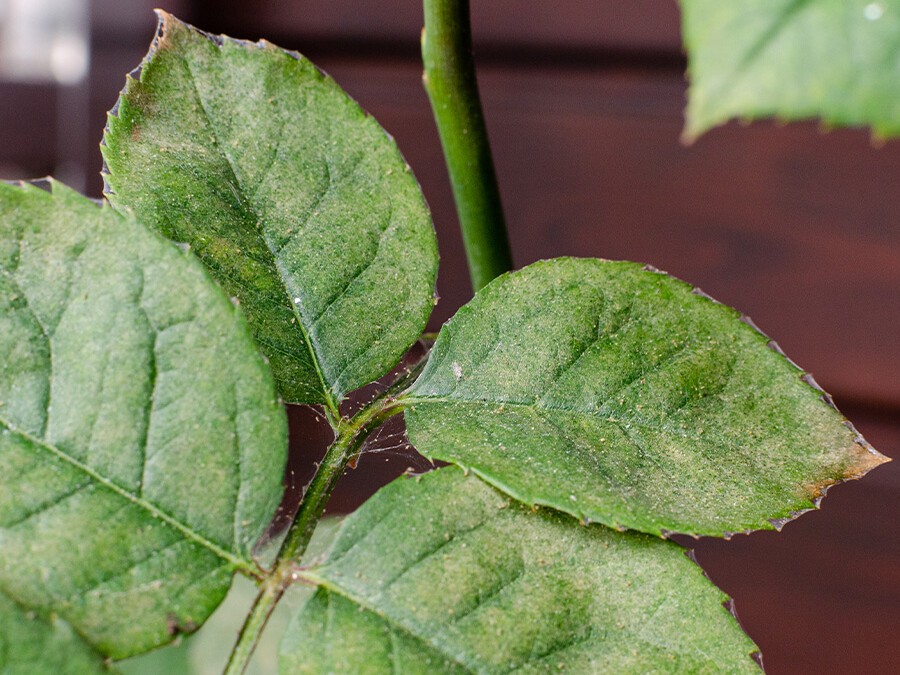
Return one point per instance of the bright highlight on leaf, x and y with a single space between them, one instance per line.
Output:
838 60
298 202
444 574
618 395
141 443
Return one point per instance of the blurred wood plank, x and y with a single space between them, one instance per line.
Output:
651 25
28 132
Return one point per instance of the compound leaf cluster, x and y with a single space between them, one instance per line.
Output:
142 441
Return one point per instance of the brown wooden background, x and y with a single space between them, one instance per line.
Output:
797 228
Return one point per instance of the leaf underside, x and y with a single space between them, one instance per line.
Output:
838 60
618 395
297 201
443 574
141 442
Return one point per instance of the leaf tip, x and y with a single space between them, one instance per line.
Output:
167 26
868 458
862 458
877 140
688 136
164 20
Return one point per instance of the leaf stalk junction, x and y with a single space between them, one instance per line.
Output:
350 435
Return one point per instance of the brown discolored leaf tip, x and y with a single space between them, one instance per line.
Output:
164 23
169 27
865 458
861 458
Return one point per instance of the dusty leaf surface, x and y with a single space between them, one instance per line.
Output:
619 395
36 645
444 574
297 201
141 441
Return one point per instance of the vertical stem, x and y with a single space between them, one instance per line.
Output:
453 90
351 434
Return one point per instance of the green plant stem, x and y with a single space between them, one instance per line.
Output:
350 436
453 91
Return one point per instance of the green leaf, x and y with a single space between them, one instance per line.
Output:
444 574
141 442
794 59
619 395
298 202
35 645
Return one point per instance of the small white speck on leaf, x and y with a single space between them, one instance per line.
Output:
457 370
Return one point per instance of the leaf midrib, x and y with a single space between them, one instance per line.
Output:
246 204
238 563
396 625
321 582
539 408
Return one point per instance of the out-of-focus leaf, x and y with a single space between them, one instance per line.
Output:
838 60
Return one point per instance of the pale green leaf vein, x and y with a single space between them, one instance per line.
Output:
247 207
